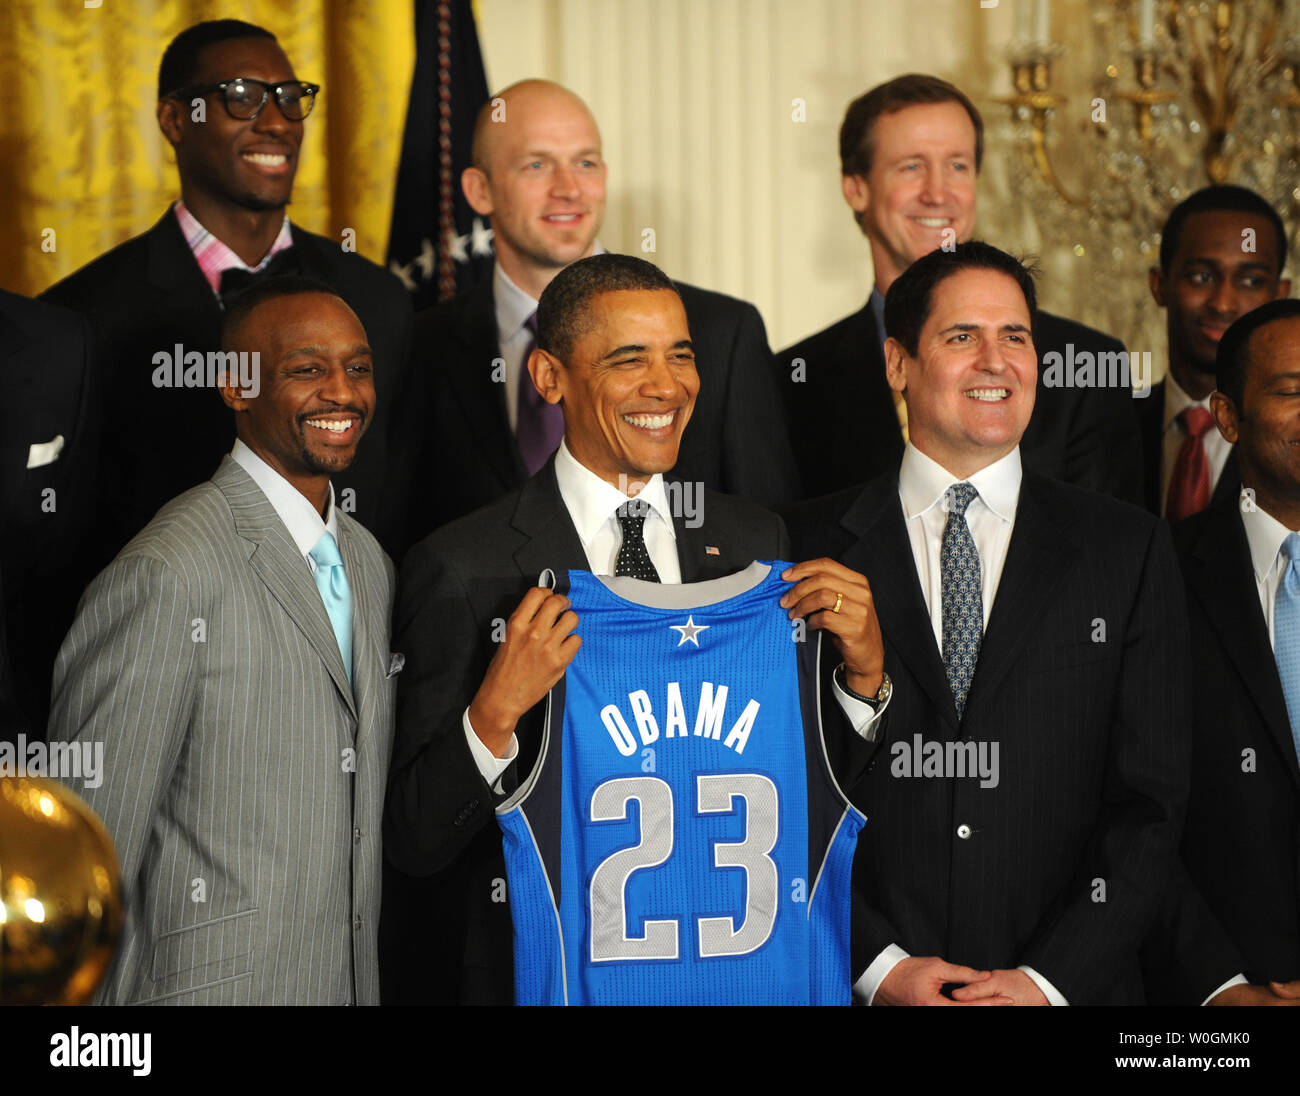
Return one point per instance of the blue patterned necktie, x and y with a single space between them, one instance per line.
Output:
1286 633
963 601
332 583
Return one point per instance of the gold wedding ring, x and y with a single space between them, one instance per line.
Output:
839 600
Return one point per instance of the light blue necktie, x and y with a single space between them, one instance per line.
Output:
332 583
1286 633
962 595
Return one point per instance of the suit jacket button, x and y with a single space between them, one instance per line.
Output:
356 836
356 923
963 831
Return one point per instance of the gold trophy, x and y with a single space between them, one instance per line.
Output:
60 896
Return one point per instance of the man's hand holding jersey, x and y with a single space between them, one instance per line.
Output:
539 644
838 601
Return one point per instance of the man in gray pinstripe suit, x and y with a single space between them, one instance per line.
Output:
245 753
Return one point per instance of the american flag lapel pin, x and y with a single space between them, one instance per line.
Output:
710 550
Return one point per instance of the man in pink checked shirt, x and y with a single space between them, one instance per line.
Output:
233 110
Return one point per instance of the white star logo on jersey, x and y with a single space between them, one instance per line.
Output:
689 631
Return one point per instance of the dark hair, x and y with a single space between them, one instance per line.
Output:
1212 199
1233 357
180 61
908 302
914 89
282 285
562 310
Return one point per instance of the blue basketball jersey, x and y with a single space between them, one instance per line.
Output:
681 839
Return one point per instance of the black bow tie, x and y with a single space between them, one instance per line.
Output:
235 279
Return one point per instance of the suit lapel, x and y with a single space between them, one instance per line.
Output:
482 399
703 551
1221 575
542 517
275 559
883 553
369 631
173 271
1039 556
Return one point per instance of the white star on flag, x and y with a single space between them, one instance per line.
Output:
482 236
690 630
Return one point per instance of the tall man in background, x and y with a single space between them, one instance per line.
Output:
1222 251
539 177
233 110
910 153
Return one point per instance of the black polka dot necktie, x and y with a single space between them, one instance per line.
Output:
962 595
633 557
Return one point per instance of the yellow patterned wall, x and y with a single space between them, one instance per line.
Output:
80 151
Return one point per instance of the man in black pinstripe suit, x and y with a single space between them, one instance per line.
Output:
1026 622
243 689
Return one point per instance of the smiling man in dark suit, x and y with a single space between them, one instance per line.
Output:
1031 625
910 151
538 175
484 643
237 154
1239 910
1221 254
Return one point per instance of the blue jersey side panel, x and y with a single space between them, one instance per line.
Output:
687 870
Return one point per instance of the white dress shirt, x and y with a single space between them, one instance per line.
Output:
305 526
1265 535
592 503
991 516
1217 447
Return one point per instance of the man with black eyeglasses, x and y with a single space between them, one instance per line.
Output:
232 108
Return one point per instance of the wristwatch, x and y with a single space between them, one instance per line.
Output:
841 678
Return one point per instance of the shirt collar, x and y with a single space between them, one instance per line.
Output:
923 483
1177 400
291 506
1264 534
513 305
213 256
591 501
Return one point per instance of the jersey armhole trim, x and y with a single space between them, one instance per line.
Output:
520 795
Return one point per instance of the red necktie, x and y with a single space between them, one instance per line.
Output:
1189 486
